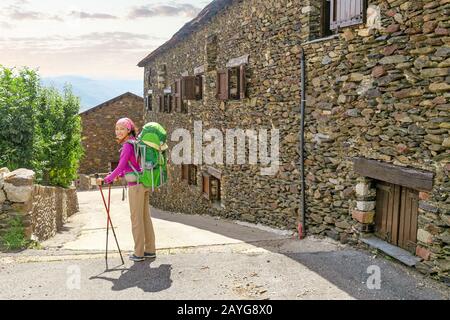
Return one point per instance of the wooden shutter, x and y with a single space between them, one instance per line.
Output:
184 172
149 102
177 98
173 106
407 234
242 82
223 91
345 13
166 101
188 85
198 87
161 103
387 207
206 185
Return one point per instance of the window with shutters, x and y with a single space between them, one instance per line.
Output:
211 187
192 87
167 103
189 173
178 104
222 91
231 83
337 14
149 102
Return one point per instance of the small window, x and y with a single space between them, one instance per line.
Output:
167 108
189 173
222 88
211 188
337 14
192 87
231 84
178 104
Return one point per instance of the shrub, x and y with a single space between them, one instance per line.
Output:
40 128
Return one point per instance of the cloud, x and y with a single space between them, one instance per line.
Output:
86 15
15 13
90 42
164 10
5 25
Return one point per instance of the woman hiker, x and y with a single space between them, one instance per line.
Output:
138 195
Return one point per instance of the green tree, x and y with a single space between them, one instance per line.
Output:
19 92
58 149
40 128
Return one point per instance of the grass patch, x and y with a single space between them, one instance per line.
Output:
14 237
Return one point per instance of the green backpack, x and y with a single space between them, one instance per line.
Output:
150 150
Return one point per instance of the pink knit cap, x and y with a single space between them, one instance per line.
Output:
127 123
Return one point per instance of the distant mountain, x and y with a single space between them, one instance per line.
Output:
93 92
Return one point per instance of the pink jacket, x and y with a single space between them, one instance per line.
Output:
126 154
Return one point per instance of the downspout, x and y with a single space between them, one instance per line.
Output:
302 224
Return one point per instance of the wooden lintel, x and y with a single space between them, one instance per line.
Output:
408 177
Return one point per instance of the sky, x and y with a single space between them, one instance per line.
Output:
91 38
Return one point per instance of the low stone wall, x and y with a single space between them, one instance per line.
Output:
43 210
86 182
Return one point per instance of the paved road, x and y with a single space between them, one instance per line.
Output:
203 258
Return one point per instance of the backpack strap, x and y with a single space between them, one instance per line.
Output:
134 143
135 171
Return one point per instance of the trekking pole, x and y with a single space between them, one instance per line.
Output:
108 223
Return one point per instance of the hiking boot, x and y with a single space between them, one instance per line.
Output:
135 258
149 255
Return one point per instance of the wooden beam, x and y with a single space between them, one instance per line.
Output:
408 177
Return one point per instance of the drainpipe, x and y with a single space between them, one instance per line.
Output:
302 223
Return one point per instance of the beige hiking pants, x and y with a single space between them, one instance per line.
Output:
141 221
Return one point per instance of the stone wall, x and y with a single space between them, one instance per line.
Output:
43 210
268 32
98 132
377 90
380 93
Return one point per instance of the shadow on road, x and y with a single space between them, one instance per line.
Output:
141 275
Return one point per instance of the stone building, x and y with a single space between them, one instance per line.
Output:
376 123
98 123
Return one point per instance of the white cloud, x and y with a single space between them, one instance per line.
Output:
187 10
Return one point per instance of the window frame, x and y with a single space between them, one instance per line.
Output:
328 17
223 79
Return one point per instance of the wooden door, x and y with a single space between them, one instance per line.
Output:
409 208
396 215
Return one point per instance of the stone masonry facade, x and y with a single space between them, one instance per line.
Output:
378 90
98 123
42 210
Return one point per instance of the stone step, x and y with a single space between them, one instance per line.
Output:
395 252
